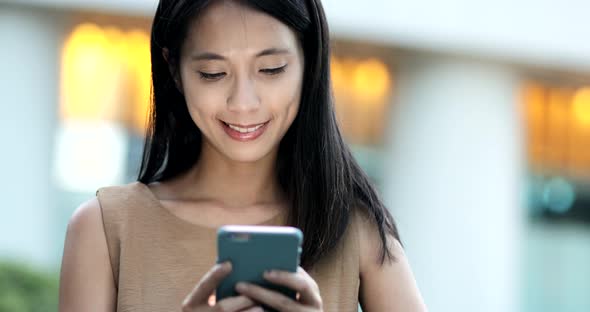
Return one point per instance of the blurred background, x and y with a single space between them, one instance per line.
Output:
472 117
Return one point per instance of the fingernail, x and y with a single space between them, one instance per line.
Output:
224 266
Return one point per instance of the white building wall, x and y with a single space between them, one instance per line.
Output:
29 75
455 161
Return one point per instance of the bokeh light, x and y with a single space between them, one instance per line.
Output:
581 107
106 75
371 81
559 195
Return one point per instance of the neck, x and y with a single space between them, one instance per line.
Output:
233 184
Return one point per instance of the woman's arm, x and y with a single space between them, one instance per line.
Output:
86 282
389 286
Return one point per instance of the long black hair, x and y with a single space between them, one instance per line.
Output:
315 166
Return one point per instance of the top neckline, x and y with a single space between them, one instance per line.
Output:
275 220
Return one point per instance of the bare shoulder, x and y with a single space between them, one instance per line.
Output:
86 218
370 241
389 285
86 258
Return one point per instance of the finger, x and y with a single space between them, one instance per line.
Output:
254 309
238 303
313 283
302 271
301 282
268 297
207 285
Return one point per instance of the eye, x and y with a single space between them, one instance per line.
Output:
211 77
273 71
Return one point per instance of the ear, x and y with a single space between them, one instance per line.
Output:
173 68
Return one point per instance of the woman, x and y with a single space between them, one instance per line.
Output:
242 131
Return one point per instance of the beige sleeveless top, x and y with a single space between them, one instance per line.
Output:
158 258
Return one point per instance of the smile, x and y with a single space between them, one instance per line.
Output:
245 130
244 133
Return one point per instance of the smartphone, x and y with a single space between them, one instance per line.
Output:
255 249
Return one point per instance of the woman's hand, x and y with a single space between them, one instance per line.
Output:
199 299
308 292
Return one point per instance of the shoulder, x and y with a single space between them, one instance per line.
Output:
108 201
115 201
369 239
86 257
120 192
85 232
86 219
383 280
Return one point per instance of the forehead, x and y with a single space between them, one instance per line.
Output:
227 26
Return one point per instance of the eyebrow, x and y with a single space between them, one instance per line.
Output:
208 56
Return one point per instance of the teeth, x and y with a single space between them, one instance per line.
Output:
245 130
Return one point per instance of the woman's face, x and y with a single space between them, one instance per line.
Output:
241 74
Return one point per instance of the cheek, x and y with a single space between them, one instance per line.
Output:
294 101
201 102
286 98
197 101
202 112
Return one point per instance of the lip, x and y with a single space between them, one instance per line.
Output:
244 137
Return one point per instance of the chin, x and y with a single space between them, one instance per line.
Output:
244 153
245 156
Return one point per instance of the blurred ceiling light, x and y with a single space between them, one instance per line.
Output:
558 117
116 41
581 107
534 101
337 74
139 61
105 90
534 112
558 124
362 89
91 75
106 75
371 81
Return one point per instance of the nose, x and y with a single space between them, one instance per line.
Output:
243 96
